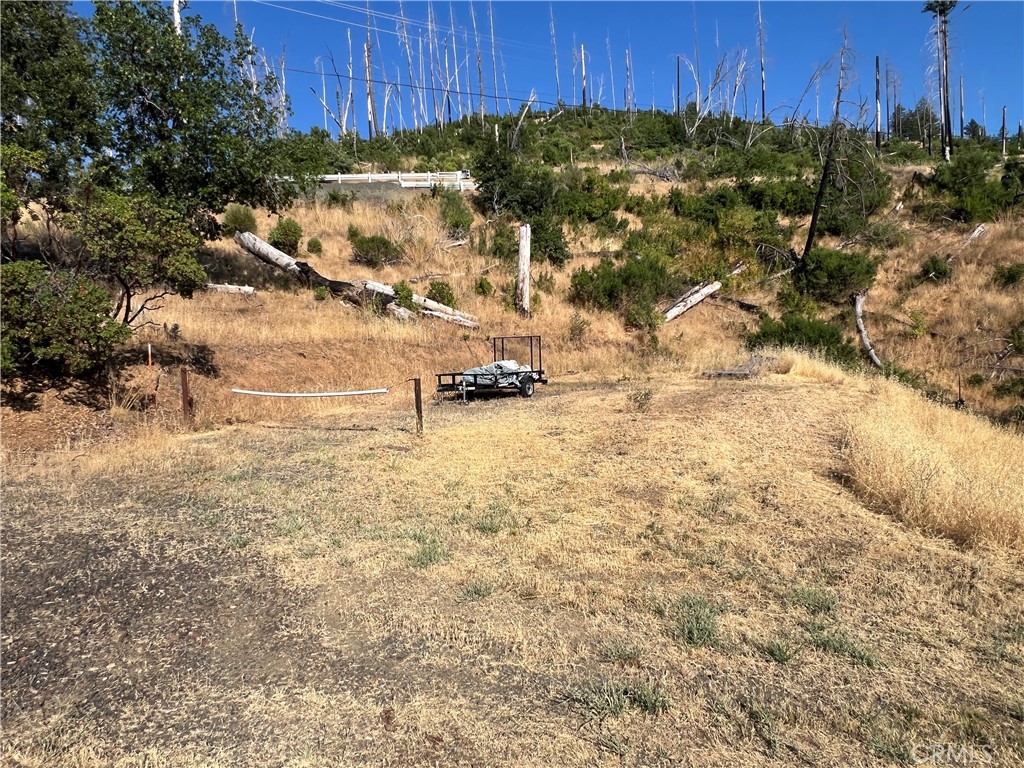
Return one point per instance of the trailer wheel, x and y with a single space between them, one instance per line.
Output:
526 386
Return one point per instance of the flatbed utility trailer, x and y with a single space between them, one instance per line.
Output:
502 373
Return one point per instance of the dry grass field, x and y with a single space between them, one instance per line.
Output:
638 566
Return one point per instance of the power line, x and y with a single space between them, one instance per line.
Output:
426 88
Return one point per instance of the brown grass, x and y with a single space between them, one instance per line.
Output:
938 469
442 587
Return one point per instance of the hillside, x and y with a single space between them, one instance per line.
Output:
638 566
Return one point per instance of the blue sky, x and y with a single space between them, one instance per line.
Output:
986 47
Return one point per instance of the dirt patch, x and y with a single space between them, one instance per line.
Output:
42 421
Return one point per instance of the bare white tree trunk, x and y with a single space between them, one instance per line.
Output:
523 274
863 331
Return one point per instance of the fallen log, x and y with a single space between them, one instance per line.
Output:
450 318
246 290
359 292
265 252
746 306
400 313
697 294
748 370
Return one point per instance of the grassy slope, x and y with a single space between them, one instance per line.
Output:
316 585
324 593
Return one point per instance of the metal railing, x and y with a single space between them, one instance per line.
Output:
448 179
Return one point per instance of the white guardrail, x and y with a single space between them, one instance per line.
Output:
459 180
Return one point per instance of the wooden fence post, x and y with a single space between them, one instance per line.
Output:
523 275
418 393
186 398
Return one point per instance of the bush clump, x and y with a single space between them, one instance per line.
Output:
403 295
632 287
936 268
1009 275
373 250
337 198
830 275
441 292
286 236
547 241
796 330
457 217
238 218
314 245
54 322
483 286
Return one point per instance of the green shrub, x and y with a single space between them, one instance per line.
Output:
793 197
935 268
285 236
373 250
964 180
337 198
483 286
545 281
832 276
238 218
1011 387
547 241
975 380
1017 340
320 293
583 194
795 330
631 287
620 176
1008 275
578 327
442 293
403 295
458 219
57 323
314 245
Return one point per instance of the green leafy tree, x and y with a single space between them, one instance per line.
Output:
286 235
48 81
54 322
18 166
138 247
833 275
185 125
305 157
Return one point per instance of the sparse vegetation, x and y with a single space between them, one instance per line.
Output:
286 236
239 218
693 620
374 251
441 292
